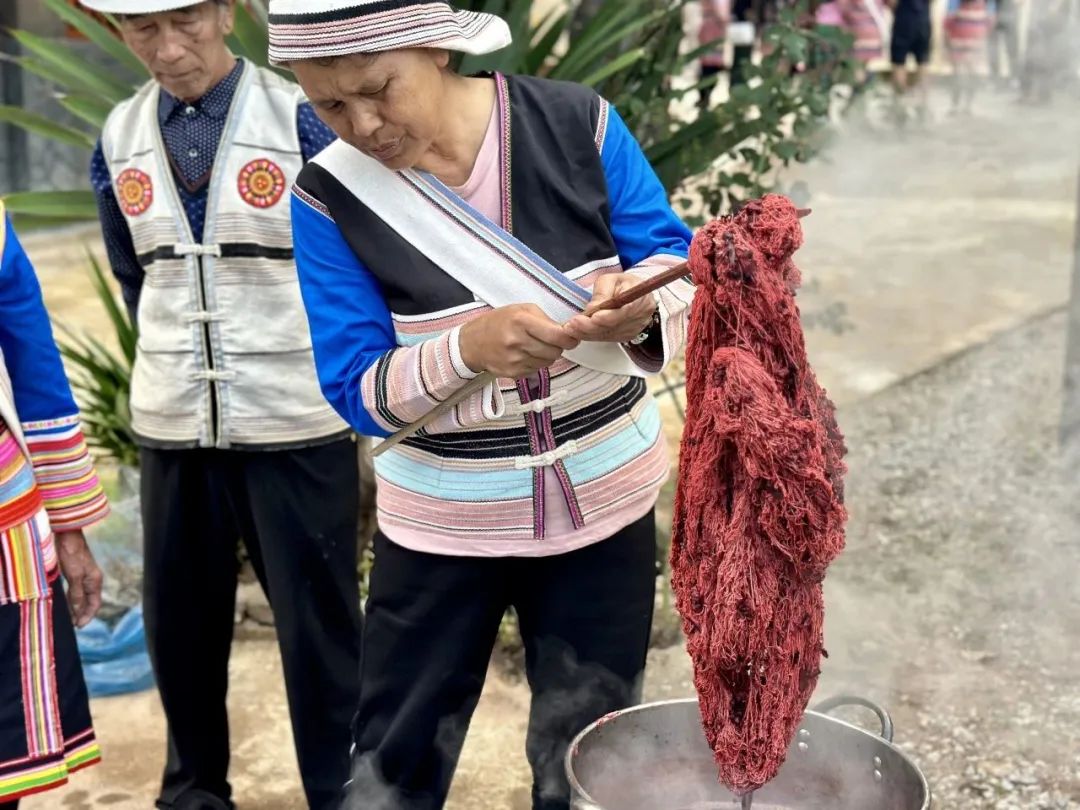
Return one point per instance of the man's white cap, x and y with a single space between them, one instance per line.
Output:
137 6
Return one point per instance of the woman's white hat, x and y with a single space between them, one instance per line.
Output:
136 6
315 29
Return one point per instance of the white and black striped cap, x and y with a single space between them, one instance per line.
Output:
314 29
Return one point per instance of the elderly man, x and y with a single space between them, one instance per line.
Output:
192 176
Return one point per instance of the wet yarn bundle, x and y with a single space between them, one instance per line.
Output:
759 509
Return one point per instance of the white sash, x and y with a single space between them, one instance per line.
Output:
495 266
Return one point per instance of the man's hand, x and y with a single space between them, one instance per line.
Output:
83 576
513 341
613 325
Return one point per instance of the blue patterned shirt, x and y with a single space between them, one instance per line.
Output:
191 133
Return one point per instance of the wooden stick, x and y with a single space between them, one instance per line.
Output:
477 383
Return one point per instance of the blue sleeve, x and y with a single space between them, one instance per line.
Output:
33 362
117 236
350 323
642 221
314 134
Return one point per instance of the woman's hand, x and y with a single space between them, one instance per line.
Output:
613 325
83 576
513 341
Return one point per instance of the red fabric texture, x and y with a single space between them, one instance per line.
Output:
759 509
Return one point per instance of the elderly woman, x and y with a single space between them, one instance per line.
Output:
462 225
49 493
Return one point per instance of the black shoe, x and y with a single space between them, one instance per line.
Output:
201 800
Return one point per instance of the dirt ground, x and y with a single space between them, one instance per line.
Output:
937 265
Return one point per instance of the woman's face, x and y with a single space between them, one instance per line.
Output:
388 106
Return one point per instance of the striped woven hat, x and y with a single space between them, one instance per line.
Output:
314 29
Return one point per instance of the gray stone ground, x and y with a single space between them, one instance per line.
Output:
937 264
956 604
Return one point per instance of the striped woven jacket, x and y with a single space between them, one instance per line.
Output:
384 318
47 478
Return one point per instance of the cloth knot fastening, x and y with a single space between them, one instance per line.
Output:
214 376
197 250
539 405
202 316
546 459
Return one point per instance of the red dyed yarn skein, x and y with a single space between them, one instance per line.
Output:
759 509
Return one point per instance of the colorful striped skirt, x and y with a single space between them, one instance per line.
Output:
45 729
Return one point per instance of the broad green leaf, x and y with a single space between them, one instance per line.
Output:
92 110
39 125
60 77
249 38
511 58
99 35
118 316
592 44
54 204
544 46
28 223
610 43
614 66
55 53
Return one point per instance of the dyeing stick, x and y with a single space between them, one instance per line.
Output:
479 381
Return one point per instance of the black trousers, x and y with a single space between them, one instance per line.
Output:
296 512
1005 33
705 94
430 626
742 57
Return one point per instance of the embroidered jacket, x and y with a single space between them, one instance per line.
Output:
47 479
384 318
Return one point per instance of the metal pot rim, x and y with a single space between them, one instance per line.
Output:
575 785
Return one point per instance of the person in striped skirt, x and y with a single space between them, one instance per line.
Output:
862 20
715 16
967 33
49 493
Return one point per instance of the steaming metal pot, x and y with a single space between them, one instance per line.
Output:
655 757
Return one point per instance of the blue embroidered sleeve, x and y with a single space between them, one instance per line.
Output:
376 385
649 238
33 362
314 134
642 221
350 324
114 229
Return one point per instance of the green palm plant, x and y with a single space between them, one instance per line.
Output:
101 378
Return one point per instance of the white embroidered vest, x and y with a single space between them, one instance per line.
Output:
224 356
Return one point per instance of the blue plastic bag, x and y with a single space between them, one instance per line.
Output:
114 659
